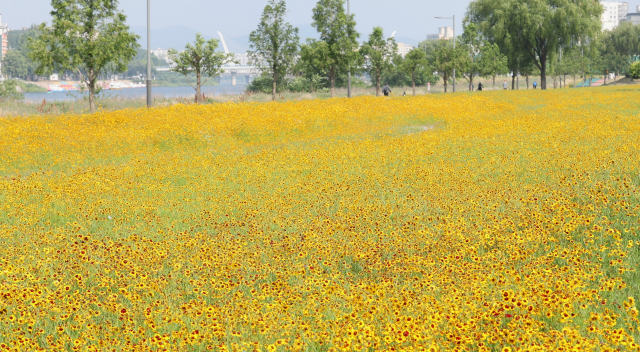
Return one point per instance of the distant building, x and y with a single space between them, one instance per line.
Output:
4 30
634 17
160 53
443 33
404 49
614 12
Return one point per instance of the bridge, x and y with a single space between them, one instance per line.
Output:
233 70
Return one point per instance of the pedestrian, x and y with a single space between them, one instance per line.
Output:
505 85
480 86
404 93
535 84
386 90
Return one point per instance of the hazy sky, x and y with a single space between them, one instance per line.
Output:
411 18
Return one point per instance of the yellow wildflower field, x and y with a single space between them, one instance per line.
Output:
499 221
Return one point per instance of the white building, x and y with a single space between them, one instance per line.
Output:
4 43
160 53
443 33
614 12
404 49
634 17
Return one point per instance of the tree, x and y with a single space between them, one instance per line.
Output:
378 55
492 62
536 28
9 91
87 37
624 39
200 59
15 64
447 59
314 62
413 64
337 30
274 45
471 43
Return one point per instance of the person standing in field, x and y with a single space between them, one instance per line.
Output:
480 86
505 85
535 84
386 90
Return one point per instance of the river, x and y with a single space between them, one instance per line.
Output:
139 93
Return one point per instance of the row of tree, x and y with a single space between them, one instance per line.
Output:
521 37
546 38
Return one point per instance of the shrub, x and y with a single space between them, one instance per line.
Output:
634 70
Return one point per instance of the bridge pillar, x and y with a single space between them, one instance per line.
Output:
233 77
248 79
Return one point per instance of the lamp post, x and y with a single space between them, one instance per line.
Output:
349 72
454 45
148 53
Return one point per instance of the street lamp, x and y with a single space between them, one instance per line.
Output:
349 73
148 53
454 45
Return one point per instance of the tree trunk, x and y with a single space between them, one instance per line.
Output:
92 91
377 84
197 86
513 82
332 82
413 79
273 89
543 72
444 77
494 83
527 79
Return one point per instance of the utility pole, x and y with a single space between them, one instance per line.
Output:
148 53
454 45
349 73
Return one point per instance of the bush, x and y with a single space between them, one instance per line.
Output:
9 91
634 70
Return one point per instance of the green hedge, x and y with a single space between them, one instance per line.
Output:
634 70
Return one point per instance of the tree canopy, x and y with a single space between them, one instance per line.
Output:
87 37
274 44
535 28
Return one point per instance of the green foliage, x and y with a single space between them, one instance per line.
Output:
623 40
413 70
9 91
200 59
470 43
87 38
138 66
378 55
447 59
16 62
314 63
535 28
492 62
337 31
634 70
274 44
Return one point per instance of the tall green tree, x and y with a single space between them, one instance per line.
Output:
378 56
415 63
15 64
200 59
492 62
537 27
314 62
624 39
471 43
337 30
86 37
274 44
447 59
